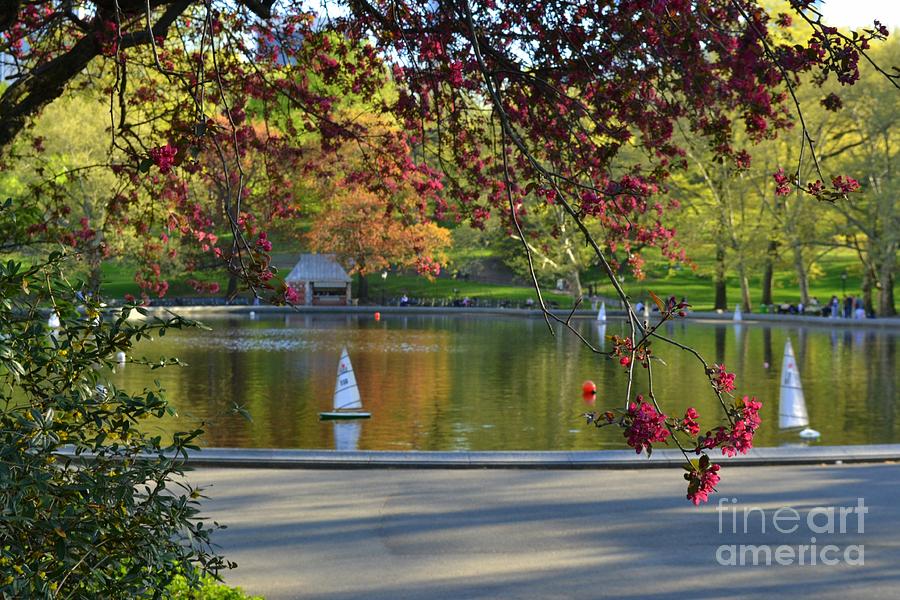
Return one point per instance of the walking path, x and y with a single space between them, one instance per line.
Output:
544 534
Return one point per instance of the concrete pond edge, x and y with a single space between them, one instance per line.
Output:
599 459
243 310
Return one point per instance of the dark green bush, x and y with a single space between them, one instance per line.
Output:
90 507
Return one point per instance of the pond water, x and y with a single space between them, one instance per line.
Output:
497 383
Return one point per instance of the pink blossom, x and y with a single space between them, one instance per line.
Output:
815 188
263 243
738 439
845 185
647 426
689 422
702 482
722 380
164 157
783 185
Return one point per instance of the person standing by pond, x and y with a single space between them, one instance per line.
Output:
835 307
848 307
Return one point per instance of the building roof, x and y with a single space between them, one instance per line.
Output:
318 268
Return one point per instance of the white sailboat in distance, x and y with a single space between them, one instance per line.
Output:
347 404
791 404
601 314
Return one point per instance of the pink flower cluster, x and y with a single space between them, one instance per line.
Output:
689 422
739 439
291 296
427 266
646 426
750 412
845 185
815 188
702 481
204 287
722 380
263 242
782 183
164 157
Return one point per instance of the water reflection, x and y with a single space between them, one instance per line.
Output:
346 435
450 383
601 336
721 333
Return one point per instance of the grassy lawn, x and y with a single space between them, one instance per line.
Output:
413 286
697 286
664 280
118 280
825 281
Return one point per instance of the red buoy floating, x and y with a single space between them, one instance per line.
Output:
377 316
589 392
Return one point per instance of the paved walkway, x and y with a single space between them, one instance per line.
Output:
439 534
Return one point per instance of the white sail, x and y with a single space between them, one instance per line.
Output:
647 312
738 315
346 393
601 334
53 321
791 404
346 435
601 314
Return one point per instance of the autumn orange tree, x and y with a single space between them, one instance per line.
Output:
368 235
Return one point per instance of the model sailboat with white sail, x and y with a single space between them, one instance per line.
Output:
791 404
347 404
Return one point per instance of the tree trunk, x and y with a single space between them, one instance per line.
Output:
868 282
232 286
362 288
94 276
768 272
802 276
575 282
721 289
886 306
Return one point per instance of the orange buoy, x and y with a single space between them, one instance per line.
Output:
589 387
589 398
378 316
